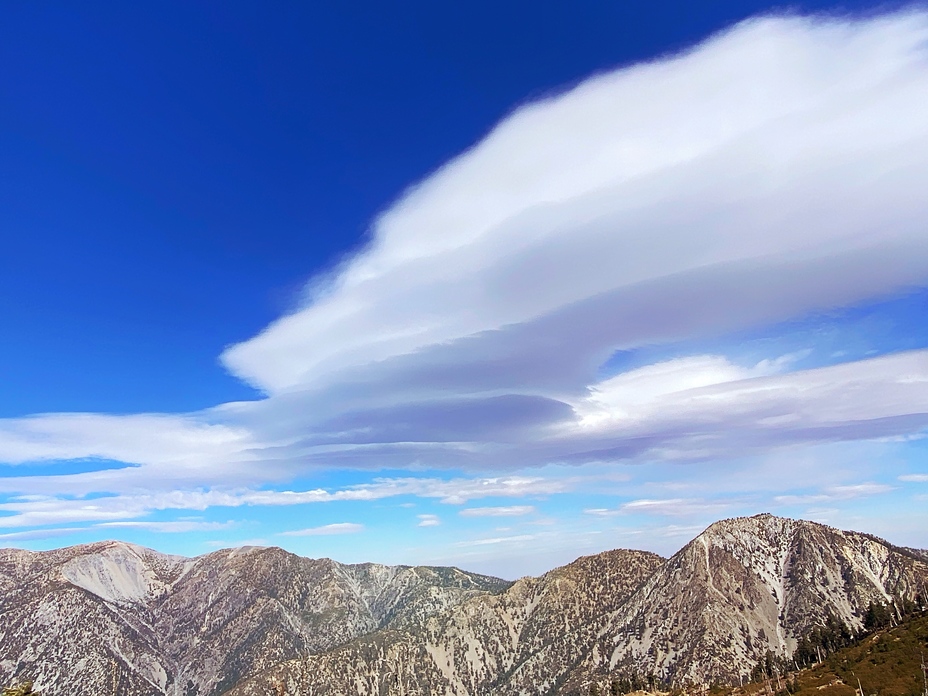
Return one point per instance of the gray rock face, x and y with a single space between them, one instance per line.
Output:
707 614
743 587
116 618
522 641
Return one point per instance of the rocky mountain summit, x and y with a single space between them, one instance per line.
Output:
525 640
117 618
746 586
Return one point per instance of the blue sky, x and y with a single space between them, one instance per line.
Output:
483 285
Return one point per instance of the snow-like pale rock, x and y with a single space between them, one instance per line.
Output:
117 574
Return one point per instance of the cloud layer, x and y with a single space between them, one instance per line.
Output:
775 171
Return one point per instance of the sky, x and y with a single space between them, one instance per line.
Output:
491 285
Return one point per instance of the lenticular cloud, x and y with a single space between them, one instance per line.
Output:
776 169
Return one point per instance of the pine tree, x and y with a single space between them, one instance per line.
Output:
878 615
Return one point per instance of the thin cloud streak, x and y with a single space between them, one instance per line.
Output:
833 493
665 507
168 527
37 534
47 510
327 530
499 511
498 540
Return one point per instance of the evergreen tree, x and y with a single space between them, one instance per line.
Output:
878 615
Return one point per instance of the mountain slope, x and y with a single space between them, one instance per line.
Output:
82 614
708 614
116 615
121 619
887 662
743 587
531 634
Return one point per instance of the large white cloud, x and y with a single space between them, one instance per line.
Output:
143 438
776 169
779 169
704 406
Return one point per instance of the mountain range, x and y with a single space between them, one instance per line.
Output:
114 618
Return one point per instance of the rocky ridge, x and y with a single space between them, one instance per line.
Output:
117 618
708 614
743 587
522 641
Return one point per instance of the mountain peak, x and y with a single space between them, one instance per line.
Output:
241 620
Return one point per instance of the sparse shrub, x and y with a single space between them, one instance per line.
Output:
23 689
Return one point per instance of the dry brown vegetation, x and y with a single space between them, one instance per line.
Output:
886 663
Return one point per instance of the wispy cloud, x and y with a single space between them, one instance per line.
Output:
500 511
327 529
45 510
517 538
833 493
428 520
673 507
34 534
226 544
168 527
